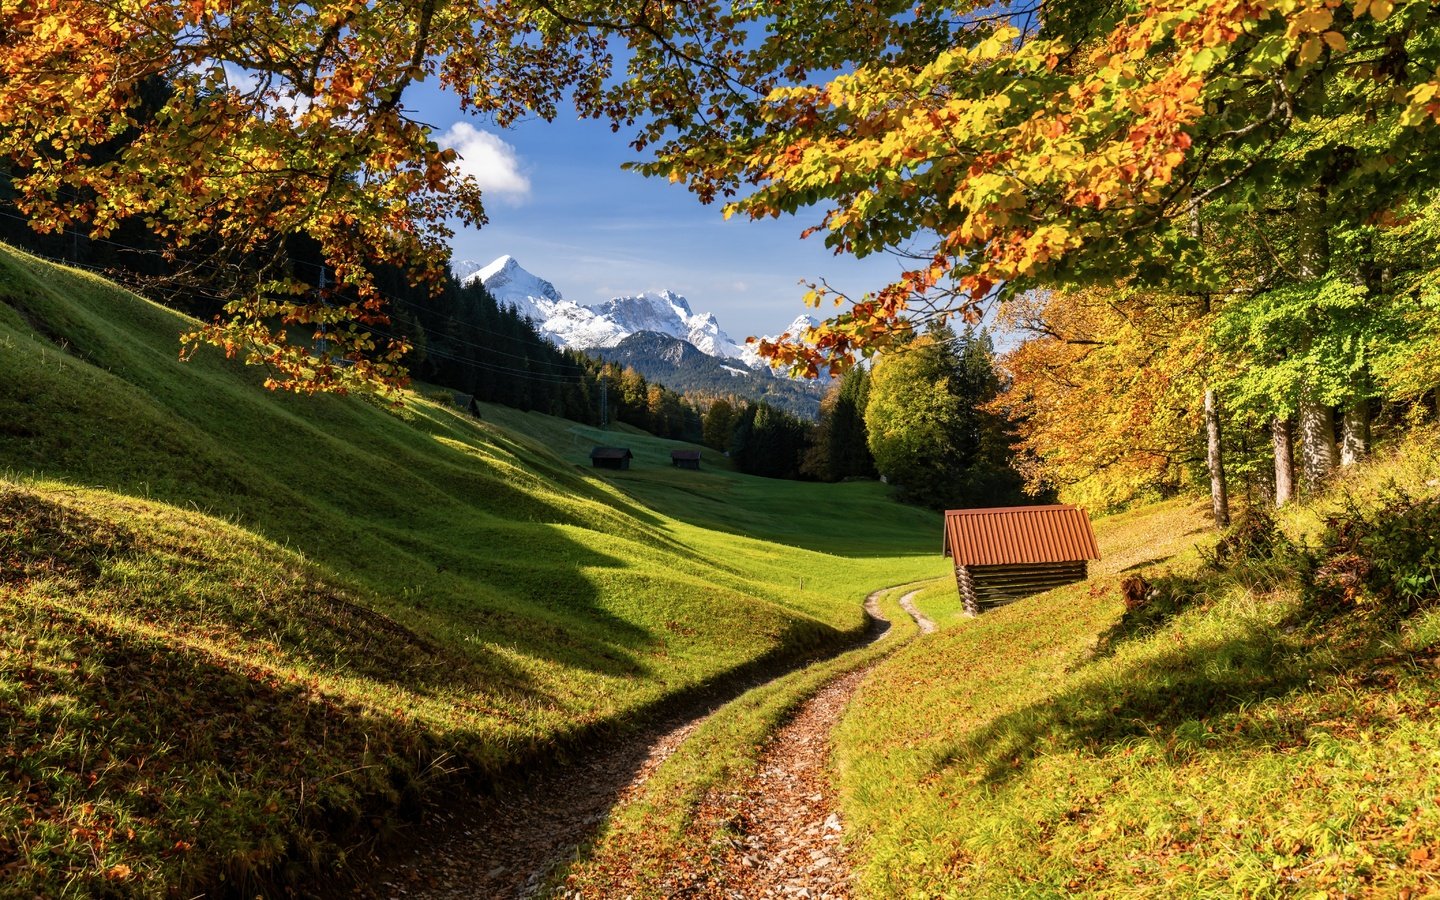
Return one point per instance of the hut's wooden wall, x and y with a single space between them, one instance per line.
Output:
984 586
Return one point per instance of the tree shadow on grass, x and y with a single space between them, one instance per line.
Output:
172 768
215 742
1147 563
1148 608
1176 697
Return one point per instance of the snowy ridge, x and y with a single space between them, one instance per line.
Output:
605 325
795 330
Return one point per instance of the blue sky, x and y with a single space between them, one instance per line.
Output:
559 203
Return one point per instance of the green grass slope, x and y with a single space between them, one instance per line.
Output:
236 628
856 515
1232 739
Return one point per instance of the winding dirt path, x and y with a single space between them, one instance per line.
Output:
786 817
505 846
907 603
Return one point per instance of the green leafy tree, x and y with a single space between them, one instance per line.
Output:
927 431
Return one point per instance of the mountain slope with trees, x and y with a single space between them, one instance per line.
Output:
680 366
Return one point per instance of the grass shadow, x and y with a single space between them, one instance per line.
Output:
1195 696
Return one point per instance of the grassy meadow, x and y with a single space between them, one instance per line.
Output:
1239 740
239 629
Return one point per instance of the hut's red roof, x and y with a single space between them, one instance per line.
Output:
1010 535
684 454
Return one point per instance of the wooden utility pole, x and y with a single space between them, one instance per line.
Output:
604 402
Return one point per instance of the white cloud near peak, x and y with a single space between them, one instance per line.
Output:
493 164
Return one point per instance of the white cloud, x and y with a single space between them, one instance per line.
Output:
493 163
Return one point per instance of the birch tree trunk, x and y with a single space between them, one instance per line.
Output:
1284 461
1215 461
1214 454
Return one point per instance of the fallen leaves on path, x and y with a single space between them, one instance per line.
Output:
783 832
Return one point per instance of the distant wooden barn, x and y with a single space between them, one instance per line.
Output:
1006 553
467 403
685 459
611 457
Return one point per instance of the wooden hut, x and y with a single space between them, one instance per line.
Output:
611 457
1005 553
685 459
467 403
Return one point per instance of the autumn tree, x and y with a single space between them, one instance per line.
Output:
1106 394
1009 147
225 128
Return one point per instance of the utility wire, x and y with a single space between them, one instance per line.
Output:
557 378
391 298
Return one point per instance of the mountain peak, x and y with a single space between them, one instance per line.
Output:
509 283
463 269
603 325
802 324
671 298
506 264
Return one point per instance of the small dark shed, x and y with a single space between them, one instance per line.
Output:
685 459
467 403
1009 552
611 457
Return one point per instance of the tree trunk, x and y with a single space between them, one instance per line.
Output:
1284 461
1355 433
1318 455
1215 461
1313 234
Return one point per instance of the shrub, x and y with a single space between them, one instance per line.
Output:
1387 558
1254 551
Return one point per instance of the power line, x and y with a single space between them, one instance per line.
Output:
391 298
557 378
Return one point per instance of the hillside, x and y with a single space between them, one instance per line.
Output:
680 366
1246 731
237 629
1261 727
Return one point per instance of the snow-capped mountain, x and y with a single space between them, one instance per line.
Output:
510 284
795 330
606 324
679 365
464 268
666 312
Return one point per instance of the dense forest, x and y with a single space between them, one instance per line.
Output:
680 365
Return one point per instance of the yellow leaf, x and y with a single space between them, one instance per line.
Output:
1381 9
1336 40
